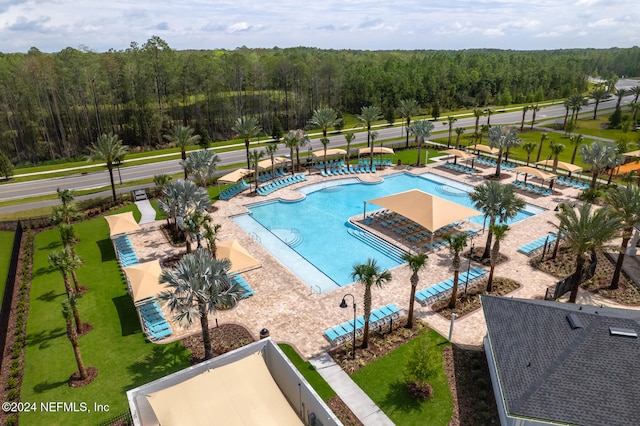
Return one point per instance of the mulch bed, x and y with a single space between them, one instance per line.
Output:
75 381
563 265
470 302
224 339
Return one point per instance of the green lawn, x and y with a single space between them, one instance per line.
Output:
116 346
309 373
383 381
6 244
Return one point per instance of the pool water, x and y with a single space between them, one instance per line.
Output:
317 227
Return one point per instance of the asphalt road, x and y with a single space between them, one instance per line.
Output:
90 180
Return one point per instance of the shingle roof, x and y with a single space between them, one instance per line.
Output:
547 370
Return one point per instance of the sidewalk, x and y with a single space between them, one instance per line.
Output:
147 211
354 397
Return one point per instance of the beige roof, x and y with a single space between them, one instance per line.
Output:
376 150
484 148
428 210
122 223
235 176
240 258
459 153
144 279
240 393
535 172
561 165
333 151
632 153
266 164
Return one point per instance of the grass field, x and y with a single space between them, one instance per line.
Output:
6 244
384 382
116 345
309 373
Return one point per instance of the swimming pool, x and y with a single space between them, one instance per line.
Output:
316 229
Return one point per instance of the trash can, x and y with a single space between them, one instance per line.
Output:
264 333
399 162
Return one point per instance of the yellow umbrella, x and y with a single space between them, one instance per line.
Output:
484 148
240 258
330 152
376 150
122 223
143 279
459 153
571 168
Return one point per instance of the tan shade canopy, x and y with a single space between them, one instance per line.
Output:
561 165
534 172
484 148
235 176
240 258
632 153
144 280
376 150
122 223
240 393
266 164
425 209
333 151
458 153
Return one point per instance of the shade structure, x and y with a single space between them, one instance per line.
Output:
635 153
534 172
143 279
428 210
459 153
240 393
266 164
122 223
376 150
240 258
235 176
571 168
330 152
484 148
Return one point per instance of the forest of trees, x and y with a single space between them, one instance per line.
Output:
55 105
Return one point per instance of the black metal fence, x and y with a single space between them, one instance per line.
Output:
122 419
7 298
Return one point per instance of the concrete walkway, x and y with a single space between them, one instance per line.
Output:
147 211
355 398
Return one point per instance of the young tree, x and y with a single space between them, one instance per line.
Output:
477 113
422 130
456 243
450 121
534 109
109 148
583 231
408 109
529 147
198 285
524 114
183 137
6 167
246 128
202 165
369 274
349 137
543 137
625 205
556 149
325 143
499 232
271 150
256 156
459 131
598 95
415 262
291 141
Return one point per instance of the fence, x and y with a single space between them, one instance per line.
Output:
7 298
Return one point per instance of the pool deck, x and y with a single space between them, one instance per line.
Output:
293 314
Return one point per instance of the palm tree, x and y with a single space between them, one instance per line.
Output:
369 114
198 285
182 197
324 118
635 107
416 262
456 243
488 111
635 90
290 140
477 113
271 150
498 202
524 114
483 129
161 180
325 143
211 235
502 137
529 147
65 262
459 131
450 121
349 137
109 148
620 93
246 128
625 205
202 165
576 141
556 148
599 155
302 140
408 109
534 108
369 274
72 334
183 137
543 137
66 196
422 130
255 157
584 231
598 95
567 106
576 101
499 232
69 239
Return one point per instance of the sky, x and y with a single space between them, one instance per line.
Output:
52 25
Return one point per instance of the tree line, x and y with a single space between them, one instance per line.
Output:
54 105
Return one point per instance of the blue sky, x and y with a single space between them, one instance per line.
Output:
52 25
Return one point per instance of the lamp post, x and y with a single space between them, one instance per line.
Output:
343 304
466 284
309 160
